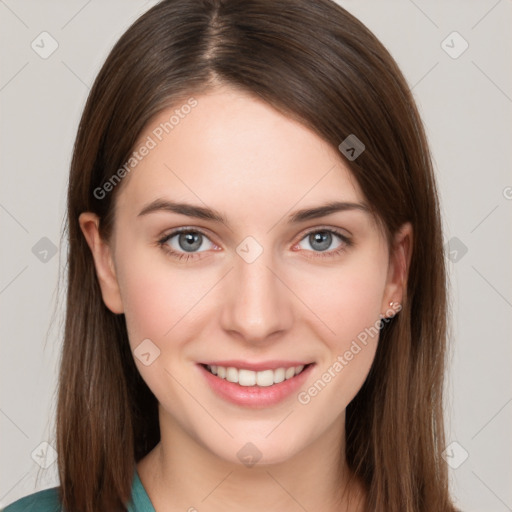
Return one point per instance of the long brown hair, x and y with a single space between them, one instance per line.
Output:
315 62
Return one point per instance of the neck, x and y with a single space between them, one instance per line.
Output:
182 474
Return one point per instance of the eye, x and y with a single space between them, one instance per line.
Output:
322 239
185 243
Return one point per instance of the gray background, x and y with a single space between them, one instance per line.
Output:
466 105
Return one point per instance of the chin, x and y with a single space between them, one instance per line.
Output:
254 450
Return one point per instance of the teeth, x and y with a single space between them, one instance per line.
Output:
249 378
245 377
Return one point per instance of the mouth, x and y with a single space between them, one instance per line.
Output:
260 388
250 378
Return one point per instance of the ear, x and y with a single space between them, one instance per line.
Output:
398 269
102 255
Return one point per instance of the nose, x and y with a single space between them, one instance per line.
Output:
257 304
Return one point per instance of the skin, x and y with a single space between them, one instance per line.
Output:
238 155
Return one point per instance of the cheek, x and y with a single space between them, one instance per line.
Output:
160 305
349 308
346 298
144 298
156 300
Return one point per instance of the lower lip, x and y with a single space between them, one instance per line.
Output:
255 396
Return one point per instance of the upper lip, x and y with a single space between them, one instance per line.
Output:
256 367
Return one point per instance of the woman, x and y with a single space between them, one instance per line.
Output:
256 313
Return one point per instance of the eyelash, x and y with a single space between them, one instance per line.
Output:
347 242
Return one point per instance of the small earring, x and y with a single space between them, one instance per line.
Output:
396 306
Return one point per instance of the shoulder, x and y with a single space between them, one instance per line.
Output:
42 501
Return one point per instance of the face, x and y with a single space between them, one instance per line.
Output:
265 288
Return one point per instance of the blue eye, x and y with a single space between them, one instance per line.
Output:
321 239
185 243
187 240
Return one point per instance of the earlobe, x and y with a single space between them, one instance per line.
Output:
399 265
103 262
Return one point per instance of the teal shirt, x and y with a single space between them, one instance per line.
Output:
48 500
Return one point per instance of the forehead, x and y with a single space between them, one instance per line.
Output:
236 152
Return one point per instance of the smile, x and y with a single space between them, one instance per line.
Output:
262 378
258 388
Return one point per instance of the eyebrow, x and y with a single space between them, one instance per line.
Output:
199 212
